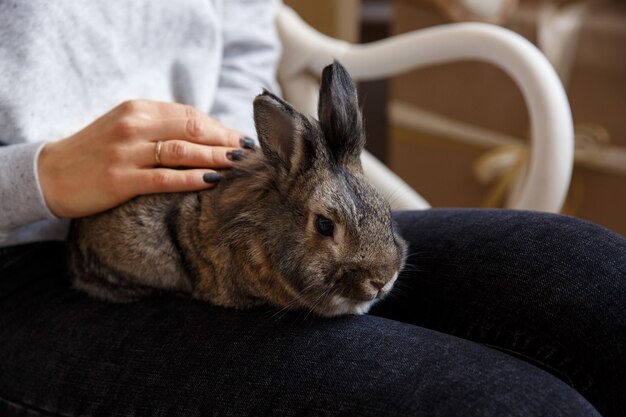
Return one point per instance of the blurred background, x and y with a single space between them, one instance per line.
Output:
458 133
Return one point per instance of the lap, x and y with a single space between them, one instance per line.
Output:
66 354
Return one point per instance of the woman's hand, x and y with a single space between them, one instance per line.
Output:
114 158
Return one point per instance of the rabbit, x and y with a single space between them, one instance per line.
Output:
294 225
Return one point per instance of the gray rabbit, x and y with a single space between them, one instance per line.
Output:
294 224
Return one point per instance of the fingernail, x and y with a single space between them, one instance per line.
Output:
235 155
211 177
247 143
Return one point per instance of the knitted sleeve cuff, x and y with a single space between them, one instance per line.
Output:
21 197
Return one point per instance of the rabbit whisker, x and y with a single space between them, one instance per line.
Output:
412 268
393 294
400 291
317 302
299 296
420 253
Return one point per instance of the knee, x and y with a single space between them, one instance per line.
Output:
469 389
518 239
571 244
514 395
536 238
565 229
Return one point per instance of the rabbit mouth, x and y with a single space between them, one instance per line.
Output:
338 305
356 298
344 305
366 287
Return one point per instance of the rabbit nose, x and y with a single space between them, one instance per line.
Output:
377 284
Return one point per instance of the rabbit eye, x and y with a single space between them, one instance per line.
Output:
325 227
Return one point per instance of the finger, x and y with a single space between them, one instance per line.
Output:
243 140
152 109
196 130
179 153
157 110
196 125
166 110
164 180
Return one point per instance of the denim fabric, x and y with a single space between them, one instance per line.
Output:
534 307
548 289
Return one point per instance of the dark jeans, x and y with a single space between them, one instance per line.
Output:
499 313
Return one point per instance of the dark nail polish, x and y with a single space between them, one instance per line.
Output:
236 155
247 143
211 177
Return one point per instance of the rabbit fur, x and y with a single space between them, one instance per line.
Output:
262 235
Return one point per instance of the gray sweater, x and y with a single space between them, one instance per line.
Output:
63 63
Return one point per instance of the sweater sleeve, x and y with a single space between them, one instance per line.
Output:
21 199
249 62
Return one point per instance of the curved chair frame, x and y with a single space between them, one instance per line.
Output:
548 174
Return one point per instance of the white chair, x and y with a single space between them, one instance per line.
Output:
544 187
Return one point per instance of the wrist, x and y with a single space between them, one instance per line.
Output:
47 176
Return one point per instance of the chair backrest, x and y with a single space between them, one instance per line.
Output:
548 174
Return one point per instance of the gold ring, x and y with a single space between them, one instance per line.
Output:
157 152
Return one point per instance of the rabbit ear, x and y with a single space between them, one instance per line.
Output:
279 127
339 114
